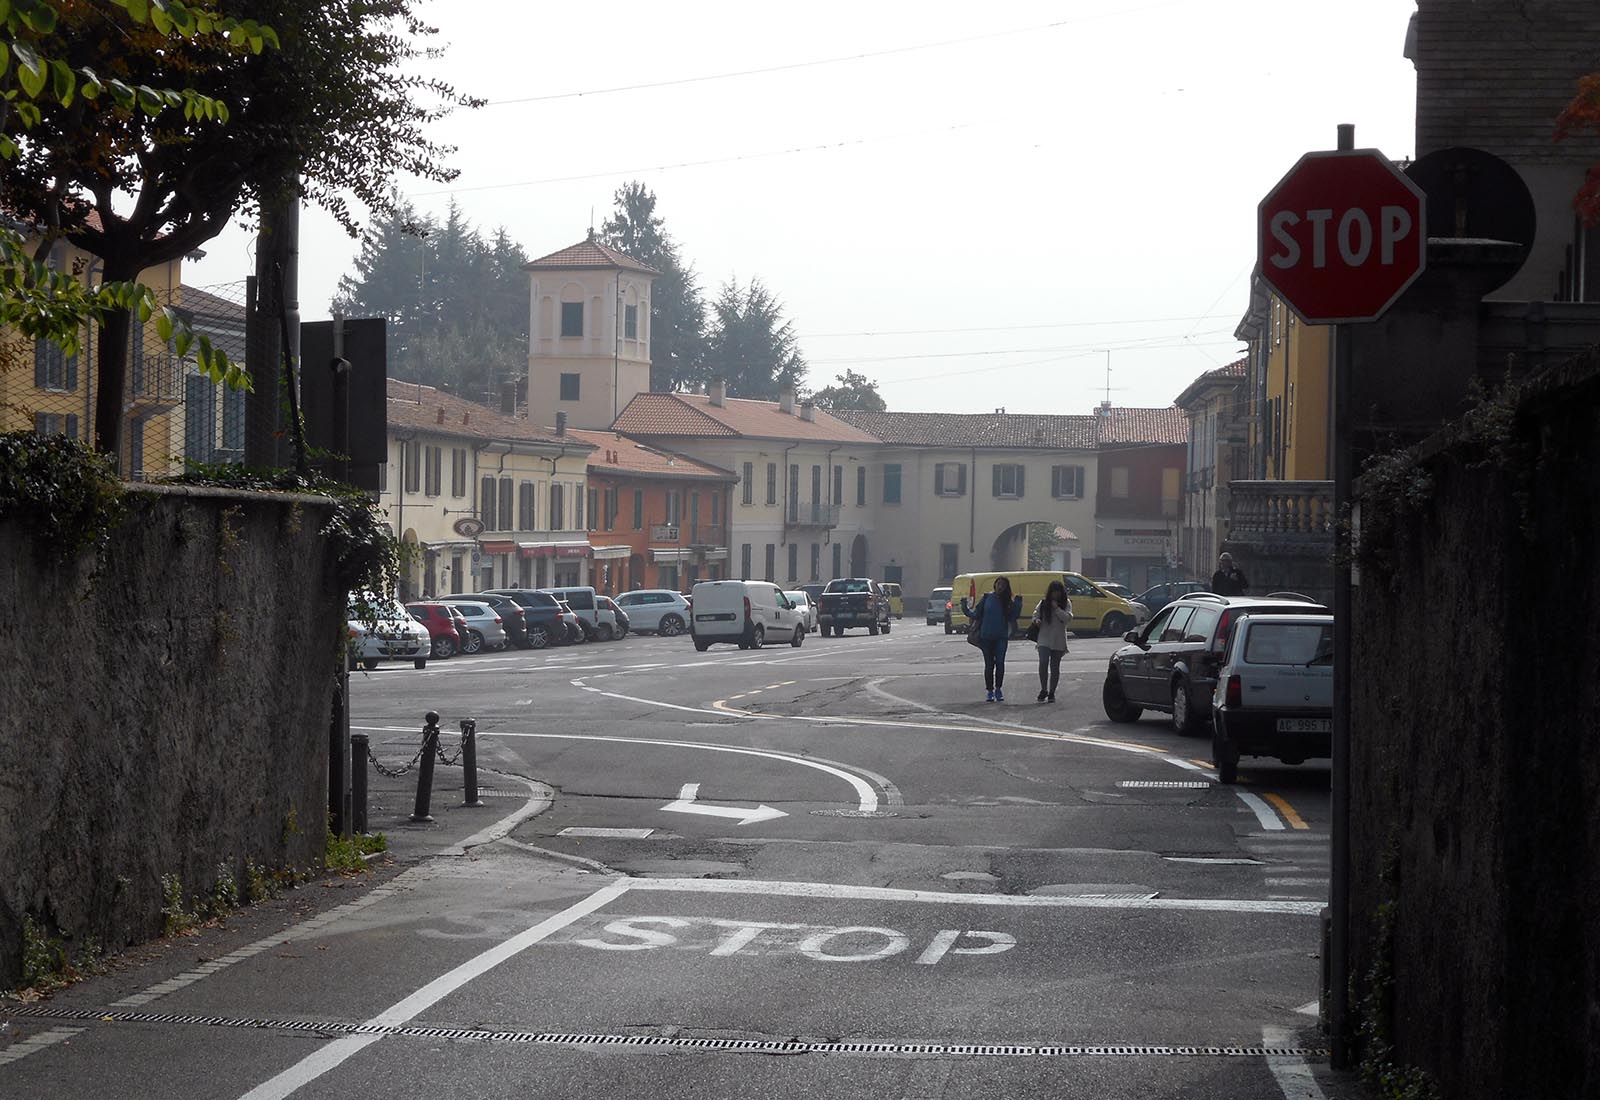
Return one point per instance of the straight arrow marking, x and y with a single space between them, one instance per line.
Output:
686 804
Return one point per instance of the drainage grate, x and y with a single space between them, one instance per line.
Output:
852 813
1165 784
675 1042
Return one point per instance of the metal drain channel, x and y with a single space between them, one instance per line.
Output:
1165 784
678 1042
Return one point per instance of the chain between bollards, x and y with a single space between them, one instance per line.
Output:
469 762
430 749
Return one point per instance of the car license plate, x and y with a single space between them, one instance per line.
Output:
1305 725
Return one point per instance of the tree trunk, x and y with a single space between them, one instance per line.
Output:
111 382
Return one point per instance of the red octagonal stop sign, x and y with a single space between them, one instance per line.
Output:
1341 236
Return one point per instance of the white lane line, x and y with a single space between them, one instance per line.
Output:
35 1043
313 1066
1024 901
1290 1071
866 795
1264 813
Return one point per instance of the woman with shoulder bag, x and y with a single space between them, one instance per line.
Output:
992 620
1052 617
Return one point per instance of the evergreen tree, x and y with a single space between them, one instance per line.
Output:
677 311
750 343
854 391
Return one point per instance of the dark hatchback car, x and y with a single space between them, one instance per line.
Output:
1158 596
510 612
1170 664
542 616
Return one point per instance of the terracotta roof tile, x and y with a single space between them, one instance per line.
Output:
1230 374
1118 427
587 253
693 414
425 409
617 454
1009 430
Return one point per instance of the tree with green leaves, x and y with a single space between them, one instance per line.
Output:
677 311
330 112
751 344
853 392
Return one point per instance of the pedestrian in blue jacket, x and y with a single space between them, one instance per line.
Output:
996 615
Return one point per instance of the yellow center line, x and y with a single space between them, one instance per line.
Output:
1289 813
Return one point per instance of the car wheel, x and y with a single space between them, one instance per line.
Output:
872 629
1116 704
758 636
948 629
606 633
1183 719
671 626
703 646
1115 626
886 627
369 664
444 647
577 635
420 662
538 637
799 636
474 642
1224 755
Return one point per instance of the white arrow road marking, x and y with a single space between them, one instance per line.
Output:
686 804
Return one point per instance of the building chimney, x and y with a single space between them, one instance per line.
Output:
786 400
561 423
808 411
1104 408
440 419
508 399
719 392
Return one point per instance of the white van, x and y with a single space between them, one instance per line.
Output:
583 605
750 613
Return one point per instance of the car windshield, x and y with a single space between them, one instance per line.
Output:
846 586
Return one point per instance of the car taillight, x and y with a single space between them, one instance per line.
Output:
747 609
1220 640
1235 694
948 605
498 619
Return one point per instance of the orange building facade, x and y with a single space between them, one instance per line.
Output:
656 520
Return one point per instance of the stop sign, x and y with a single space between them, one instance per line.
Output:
1341 236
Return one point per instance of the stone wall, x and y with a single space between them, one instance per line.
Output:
166 717
1475 761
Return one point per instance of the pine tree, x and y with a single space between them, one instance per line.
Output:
677 312
751 345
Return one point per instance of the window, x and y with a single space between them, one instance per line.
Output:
772 561
674 507
571 319
838 485
577 508
716 508
1007 480
611 507
432 459
816 561
747 485
794 492
1119 481
53 368
950 479
694 516
413 480
1066 482
794 562
630 322
772 483
569 387
744 562
486 499
557 511
891 483
505 502
594 508
56 424
838 556
458 472
638 509
525 507
861 486
816 487
949 556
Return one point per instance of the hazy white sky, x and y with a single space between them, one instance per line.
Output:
972 224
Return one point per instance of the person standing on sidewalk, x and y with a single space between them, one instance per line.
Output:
1229 579
1054 615
994 617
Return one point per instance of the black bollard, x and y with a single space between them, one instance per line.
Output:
469 762
430 749
358 783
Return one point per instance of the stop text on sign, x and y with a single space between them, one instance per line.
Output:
1353 238
851 943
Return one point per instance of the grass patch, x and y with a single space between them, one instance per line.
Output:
348 855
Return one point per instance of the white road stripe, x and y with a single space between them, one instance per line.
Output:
1263 812
1290 1071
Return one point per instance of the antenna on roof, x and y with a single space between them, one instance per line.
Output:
1108 377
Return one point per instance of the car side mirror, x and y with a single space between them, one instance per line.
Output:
1131 636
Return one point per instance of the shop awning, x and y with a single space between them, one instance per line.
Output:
611 552
506 547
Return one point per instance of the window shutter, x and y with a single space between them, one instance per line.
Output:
72 426
961 480
938 479
996 471
1020 471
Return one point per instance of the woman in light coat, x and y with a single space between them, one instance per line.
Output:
1054 615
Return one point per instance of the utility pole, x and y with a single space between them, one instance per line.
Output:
275 310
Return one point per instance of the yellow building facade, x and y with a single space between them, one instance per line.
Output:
1291 428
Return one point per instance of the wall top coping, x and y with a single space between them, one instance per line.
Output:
219 493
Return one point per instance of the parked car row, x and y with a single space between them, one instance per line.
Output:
1254 672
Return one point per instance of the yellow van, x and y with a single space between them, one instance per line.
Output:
897 601
1094 610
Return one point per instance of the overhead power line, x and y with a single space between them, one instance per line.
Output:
1166 340
1016 328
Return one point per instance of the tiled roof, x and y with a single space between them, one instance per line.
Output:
587 253
1116 427
425 409
1052 432
617 454
693 414
1231 374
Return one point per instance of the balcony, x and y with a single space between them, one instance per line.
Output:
156 382
689 534
811 513
1281 534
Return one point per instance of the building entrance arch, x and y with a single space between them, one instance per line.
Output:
1036 544
858 556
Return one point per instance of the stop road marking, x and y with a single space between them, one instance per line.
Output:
851 943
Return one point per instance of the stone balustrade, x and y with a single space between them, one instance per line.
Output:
1272 510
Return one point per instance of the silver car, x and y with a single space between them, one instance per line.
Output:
395 636
808 610
660 610
484 627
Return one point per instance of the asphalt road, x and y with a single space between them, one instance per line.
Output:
811 871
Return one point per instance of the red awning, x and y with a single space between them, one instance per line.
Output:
498 547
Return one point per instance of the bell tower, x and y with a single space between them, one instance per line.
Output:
588 333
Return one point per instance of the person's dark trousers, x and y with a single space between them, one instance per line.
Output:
994 663
1049 669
